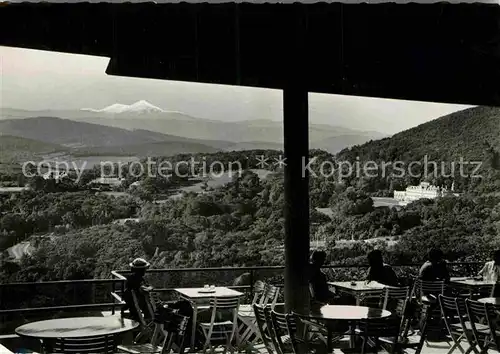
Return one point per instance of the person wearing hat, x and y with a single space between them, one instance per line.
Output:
135 288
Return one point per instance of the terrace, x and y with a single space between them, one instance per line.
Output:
23 303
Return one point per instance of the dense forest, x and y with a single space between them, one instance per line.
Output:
241 223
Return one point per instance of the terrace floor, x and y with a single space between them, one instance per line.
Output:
429 348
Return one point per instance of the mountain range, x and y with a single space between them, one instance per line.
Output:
142 128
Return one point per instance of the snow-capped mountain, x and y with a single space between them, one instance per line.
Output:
141 106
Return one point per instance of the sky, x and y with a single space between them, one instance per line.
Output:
41 80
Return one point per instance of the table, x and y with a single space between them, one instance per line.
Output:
359 289
472 284
201 299
346 313
490 300
76 327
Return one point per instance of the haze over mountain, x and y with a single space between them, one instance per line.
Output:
257 133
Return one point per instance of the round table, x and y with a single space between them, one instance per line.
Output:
490 300
351 314
76 327
347 313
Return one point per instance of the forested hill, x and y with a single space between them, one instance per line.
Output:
472 134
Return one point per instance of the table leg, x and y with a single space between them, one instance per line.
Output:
329 339
193 328
352 328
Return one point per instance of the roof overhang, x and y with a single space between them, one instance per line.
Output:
438 52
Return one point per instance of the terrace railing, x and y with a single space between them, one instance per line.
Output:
25 302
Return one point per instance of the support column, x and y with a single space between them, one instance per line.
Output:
296 128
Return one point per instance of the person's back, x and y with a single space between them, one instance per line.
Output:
379 271
383 275
435 268
318 284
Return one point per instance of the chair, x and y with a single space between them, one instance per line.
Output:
426 293
258 298
316 336
404 311
492 313
478 318
269 296
389 328
99 344
172 326
281 333
147 324
217 330
264 327
393 293
457 323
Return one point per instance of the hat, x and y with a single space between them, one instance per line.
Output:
139 263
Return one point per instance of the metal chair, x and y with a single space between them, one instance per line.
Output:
171 326
269 296
217 330
145 318
393 293
99 344
426 294
264 328
281 333
455 319
492 316
405 312
477 313
388 328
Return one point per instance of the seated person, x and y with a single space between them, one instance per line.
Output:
136 290
379 271
317 281
435 267
491 269
491 272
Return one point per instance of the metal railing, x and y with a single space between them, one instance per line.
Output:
255 273
113 288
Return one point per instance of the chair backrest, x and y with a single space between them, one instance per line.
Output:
174 329
150 305
258 292
282 329
264 328
393 293
372 294
224 304
454 311
477 316
383 327
270 296
98 344
424 287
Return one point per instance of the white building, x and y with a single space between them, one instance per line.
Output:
423 190
108 181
